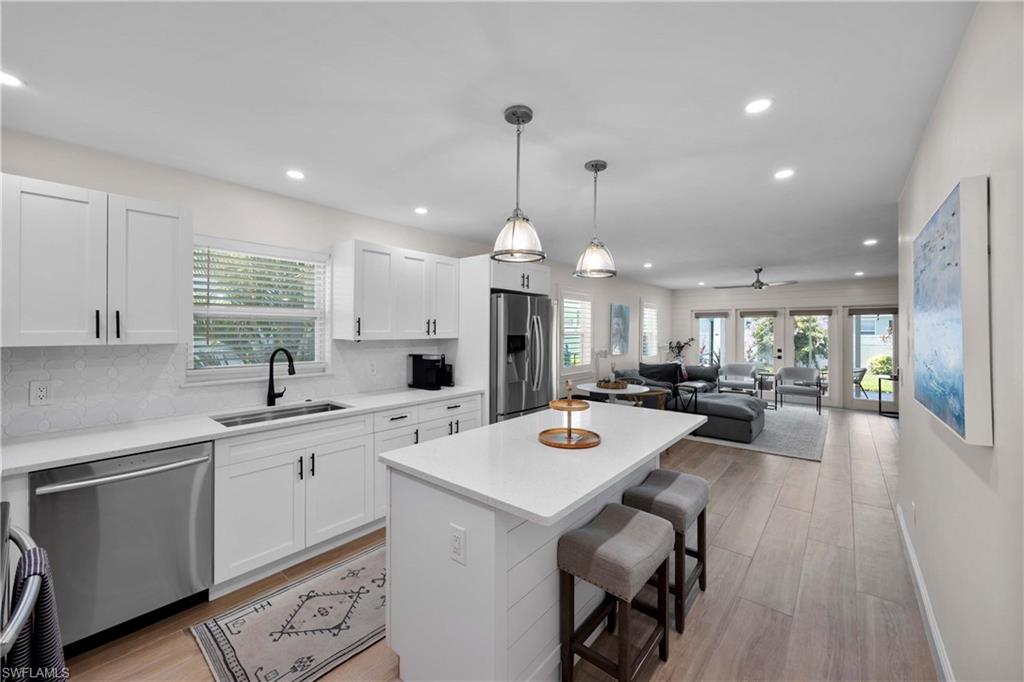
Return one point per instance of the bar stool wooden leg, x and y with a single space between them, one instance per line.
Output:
702 548
567 614
625 646
663 609
680 591
612 618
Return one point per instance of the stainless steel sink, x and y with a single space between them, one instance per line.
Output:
272 413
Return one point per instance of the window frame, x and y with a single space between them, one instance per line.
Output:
207 376
584 368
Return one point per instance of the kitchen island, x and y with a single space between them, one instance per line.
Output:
473 527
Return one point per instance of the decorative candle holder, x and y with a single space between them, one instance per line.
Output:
567 436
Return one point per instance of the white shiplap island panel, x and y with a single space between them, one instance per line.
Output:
495 616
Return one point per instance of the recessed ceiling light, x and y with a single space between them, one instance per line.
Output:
296 174
421 210
8 79
870 242
700 284
858 274
784 174
758 106
648 265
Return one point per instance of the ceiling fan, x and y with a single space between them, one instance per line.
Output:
758 284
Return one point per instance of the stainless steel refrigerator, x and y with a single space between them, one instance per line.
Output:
521 349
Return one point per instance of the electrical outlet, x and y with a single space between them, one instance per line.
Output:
458 544
39 393
373 368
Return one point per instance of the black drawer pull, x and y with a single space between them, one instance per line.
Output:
312 464
415 436
454 407
97 324
399 417
456 426
451 429
117 323
300 468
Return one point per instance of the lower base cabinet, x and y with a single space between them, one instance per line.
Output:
387 441
276 504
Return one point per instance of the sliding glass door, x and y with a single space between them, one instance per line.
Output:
810 338
711 336
872 359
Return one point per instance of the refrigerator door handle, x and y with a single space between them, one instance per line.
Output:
536 351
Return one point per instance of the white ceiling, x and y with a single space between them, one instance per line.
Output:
391 106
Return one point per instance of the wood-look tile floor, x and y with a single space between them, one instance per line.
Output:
806 579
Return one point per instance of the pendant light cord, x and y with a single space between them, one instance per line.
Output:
595 203
519 132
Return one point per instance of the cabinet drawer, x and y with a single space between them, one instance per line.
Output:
448 408
395 418
229 451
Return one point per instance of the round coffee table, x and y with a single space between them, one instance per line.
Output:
612 393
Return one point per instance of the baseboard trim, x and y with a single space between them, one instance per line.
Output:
924 602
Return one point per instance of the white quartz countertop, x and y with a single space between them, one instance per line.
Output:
504 465
21 455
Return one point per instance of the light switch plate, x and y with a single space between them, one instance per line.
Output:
40 393
457 543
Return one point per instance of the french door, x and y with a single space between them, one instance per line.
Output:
811 343
872 359
759 338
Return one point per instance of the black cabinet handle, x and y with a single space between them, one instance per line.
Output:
300 468
454 407
451 429
359 326
527 281
399 417
415 436
312 464
435 326
117 323
456 426
97 324
428 327
522 280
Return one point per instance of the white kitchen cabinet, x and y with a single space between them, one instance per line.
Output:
149 272
260 513
529 278
54 264
339 488
384 293
412 291
436 428
82 267
385 442
444 297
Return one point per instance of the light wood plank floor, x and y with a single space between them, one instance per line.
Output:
806 578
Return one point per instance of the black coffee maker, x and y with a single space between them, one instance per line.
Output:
429 372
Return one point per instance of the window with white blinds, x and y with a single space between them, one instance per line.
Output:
246 304
576 333
649 332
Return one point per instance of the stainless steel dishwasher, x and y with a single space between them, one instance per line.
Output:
125 535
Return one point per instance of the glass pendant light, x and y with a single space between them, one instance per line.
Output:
596 260
518 241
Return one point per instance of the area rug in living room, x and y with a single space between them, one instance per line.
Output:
792 430
303 630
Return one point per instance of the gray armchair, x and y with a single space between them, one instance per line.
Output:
737 376
802 381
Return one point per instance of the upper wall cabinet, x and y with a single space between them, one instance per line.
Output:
82 267
384 292
527 278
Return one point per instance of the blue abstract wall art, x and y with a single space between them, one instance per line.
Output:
938 315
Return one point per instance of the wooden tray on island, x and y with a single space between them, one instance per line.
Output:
566 436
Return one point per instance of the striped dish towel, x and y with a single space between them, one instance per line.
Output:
37 654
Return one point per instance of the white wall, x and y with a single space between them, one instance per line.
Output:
106 385
837 295
970 518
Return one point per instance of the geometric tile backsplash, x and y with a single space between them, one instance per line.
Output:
102 385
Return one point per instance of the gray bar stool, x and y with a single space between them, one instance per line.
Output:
679 498
618 551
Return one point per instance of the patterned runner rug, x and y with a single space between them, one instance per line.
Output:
303 630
